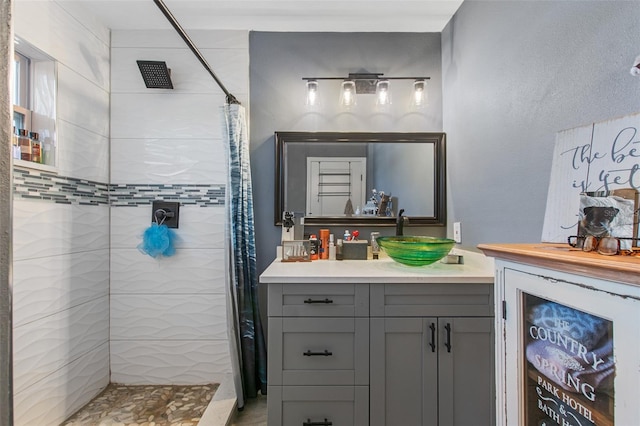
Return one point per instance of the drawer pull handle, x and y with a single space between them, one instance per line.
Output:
448 342
325 353
310 423
318 301
432 327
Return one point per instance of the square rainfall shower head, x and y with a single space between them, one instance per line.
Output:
155 74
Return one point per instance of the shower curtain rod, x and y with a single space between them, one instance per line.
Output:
230 98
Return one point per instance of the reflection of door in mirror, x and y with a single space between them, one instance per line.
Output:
336 186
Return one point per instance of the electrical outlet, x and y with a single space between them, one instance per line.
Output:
457 232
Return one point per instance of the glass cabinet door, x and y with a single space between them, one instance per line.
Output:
571 351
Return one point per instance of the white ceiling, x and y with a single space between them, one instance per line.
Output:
274 15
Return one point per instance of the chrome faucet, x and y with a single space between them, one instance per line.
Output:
400 222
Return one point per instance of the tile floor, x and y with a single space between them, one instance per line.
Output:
145 406
253 414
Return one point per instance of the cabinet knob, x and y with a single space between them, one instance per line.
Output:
324 423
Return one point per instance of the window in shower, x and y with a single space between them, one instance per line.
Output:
33 93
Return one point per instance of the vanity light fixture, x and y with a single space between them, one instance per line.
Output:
368 83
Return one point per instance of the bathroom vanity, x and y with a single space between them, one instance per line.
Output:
374 342
568 350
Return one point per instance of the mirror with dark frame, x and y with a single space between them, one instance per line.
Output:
361 179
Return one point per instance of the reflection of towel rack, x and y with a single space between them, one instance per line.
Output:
332 184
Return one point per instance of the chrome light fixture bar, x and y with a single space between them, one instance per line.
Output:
366 83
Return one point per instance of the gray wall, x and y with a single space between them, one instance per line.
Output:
514 74
278 63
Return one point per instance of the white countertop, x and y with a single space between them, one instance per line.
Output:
477 268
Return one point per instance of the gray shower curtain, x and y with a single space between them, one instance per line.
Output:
248 352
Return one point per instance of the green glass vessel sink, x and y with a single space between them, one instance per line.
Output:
415 251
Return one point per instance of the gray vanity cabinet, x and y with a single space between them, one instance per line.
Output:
380 354
426 368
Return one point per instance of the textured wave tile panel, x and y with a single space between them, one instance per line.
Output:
52 29
83 154
50 229
181 116
188 271
48 285
199 227
171 317
57 396
168 161
46 345
228 64
204 39
169 362
88 104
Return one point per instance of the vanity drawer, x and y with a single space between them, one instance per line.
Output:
319 300
318 351
418 300
318 405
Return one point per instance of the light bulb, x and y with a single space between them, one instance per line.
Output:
383 94
312 93
348 94
419 98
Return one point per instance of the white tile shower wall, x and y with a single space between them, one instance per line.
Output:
43 229
64 391
70 40
200 228
189 161
189 362
61 239
172 115
168 315
47 340
52 284
90 108
133 273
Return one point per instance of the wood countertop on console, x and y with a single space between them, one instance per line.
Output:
562 257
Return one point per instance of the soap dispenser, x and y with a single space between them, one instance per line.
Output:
287 226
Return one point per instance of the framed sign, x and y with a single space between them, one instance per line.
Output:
569 365
597 158
570 353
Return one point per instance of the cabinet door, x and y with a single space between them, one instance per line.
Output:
569 349
466 371
403 376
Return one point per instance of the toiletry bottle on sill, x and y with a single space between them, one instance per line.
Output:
313 247
332 248
36 147
324 244
25 144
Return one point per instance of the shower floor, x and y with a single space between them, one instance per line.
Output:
125 405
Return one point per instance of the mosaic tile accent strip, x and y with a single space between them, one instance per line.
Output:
124 195
47 186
